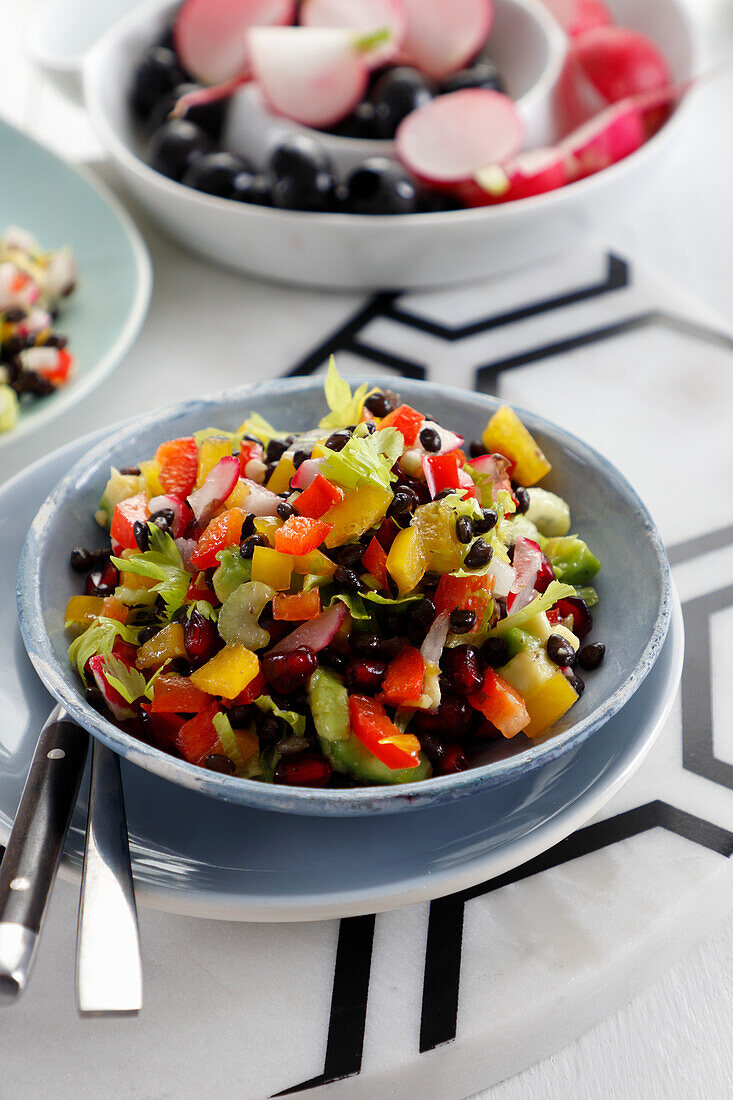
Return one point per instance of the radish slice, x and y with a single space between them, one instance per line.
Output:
120 708
211 35
215 489
432 647
306 473
179 508
449 441
317 633
577 16
532 173
527 564
451 138
260 501
314 75
504 577
606 139
495 467
360 15
442 35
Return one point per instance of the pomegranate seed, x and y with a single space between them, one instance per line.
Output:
200 638
464 668
454 760
365 674
545 575
452 718
579 611
304 770
285 672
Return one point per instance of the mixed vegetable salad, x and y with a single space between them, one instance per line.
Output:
368 602
34 359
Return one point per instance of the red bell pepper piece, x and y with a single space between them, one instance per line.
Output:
441 472
179 463
252 691
177 695
297 608
501 704
304 770
198 737
223 530
405 676
375 562
320 495
126 514
165 726
369 722
59 373
466 593
300 534
248 450
198 589
387 533
406 420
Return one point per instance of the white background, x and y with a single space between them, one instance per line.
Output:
675 1039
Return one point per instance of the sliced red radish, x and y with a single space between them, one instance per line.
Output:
179 508
606 139
316 633
577 16
495 467
314 75
306 473
432 647
451 138
449 441
527 564
504 577
360 15
259 500
442 35
120 708
211 35
215 489
531 173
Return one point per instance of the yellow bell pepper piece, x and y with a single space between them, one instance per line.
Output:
506 434
320 451
273 568
267 526
360 509
81 611
210 452
280 478
238 496
164 646
547 694
150 469
406 560
228 672
316 562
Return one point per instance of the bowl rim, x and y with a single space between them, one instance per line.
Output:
94 76
307 800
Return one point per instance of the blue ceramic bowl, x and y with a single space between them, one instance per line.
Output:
634 587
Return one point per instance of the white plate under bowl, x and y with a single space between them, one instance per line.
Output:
198 856
347 251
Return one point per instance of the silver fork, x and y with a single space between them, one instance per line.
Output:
108 961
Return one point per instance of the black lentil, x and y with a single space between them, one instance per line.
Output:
476 448
461 621
379 405
488 520
464 529
430 440
495 652
591 656
285 511
247 548
348 579
560 651
479 555
338 440
522 497
142 535
216 762
300 457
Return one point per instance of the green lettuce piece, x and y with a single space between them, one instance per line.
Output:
97 640
365 459
354 603
295 720
228 741
257 425
555 591
345 407
232 571
387 601
162 563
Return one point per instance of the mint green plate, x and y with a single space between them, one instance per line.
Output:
62 205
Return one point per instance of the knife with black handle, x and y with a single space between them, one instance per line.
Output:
33 852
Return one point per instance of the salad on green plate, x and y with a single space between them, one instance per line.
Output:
368 602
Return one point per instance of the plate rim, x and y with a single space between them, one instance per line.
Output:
441 788
63 399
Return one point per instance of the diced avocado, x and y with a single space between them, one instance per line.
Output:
548 512
351 756
118 488
571 559
329 703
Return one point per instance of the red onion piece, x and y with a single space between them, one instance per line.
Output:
432 647
260 501
306 473
316 634
527 564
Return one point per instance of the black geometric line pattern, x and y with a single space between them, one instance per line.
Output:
698 753
444 941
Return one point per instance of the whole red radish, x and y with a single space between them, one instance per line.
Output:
448 140
577 16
